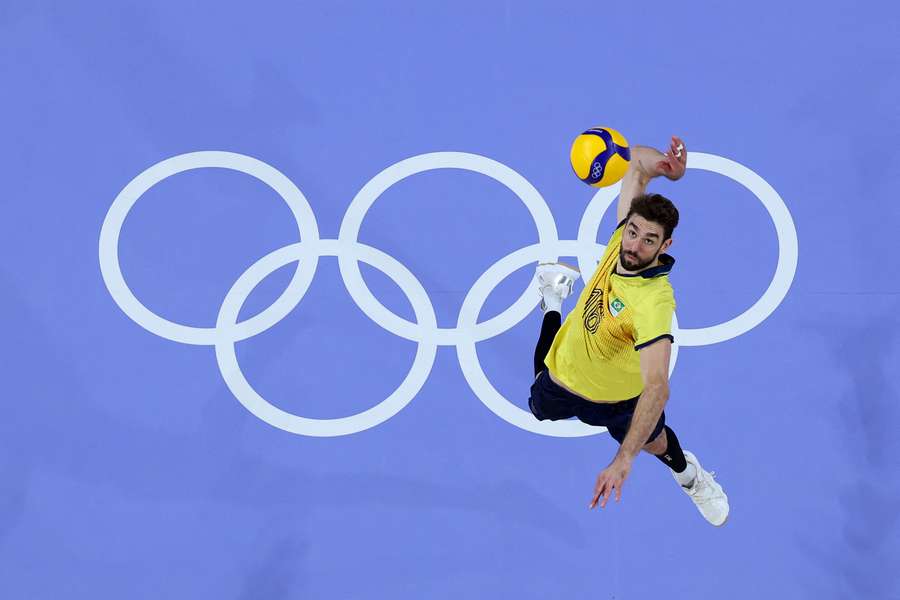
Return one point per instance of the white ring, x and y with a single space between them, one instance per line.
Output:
259 406
111 270
787 247
468 355
367 196
787 253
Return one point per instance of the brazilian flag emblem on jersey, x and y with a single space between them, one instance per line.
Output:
616 307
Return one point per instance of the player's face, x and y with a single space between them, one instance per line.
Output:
642 242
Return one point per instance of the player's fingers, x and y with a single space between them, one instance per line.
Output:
598 491
606 494
680 150
619 491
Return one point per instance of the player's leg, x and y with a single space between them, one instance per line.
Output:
551 324
706 493
549 401
667 449
555 281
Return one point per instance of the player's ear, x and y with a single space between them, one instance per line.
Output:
665 245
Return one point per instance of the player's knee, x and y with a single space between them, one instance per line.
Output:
658 445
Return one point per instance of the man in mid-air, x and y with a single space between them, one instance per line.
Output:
608 363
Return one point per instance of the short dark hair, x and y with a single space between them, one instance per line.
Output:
656 208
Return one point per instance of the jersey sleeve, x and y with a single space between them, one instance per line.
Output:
653 321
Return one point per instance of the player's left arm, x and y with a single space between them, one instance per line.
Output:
655 373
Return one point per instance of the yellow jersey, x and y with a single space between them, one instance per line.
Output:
595 352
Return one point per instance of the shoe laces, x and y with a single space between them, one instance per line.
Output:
703 489
556 279
560 289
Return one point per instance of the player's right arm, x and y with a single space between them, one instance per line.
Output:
647 163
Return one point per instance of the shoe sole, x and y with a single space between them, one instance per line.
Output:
562 264
573 273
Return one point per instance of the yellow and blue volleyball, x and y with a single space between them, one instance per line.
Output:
600 156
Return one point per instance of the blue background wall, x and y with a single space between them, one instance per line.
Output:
129 470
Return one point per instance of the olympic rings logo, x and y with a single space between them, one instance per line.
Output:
349 252
597 170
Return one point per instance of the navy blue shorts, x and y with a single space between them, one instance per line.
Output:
550 401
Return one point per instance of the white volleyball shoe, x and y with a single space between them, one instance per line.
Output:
555 282
706 493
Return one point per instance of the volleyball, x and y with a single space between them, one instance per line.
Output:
600 156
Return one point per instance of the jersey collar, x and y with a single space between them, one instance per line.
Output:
665 265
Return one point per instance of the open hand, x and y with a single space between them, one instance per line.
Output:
611 478
674 160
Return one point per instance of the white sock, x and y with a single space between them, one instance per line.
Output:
552 302
686 477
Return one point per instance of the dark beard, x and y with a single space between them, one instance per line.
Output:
634 264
